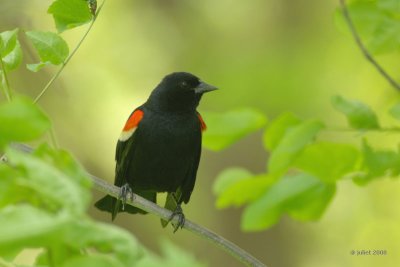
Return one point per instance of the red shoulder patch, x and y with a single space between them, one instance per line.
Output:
202 123
131 125
133 120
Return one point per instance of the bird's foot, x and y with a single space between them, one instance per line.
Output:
181 218
125 190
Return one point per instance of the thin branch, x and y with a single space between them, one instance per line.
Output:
150 207
362 47
70 55
5 84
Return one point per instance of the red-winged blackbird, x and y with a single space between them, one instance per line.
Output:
159 147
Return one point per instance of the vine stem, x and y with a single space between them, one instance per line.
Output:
362 47
146 205
6 84
55 76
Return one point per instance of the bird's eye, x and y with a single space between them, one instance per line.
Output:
184 84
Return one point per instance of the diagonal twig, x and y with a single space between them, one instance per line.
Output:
362 47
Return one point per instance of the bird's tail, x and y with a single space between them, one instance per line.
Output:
114 206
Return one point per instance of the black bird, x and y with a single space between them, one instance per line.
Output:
159 147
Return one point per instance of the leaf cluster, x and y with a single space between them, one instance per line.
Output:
302 171
50 46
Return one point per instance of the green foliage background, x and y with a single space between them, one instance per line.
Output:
273 56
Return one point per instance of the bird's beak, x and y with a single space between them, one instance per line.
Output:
204 88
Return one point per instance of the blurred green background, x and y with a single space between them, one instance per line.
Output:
276 56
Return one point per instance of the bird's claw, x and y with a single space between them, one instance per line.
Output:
181 218
125 190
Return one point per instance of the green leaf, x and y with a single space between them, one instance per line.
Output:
56 252
92 261
8 41
328 161
292 143
376 22
377 164
7 174
395 111
105 238
12 189
10 49
237 186
302 196
224 129
64 161
392 6
57 190
51 47
26 226
9 257
64 172
81 234
21 120
359 115
244 191
277 129
173 256
386 37
228 177
69 14
312 203
35 67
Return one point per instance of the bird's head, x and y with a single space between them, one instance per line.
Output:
179 91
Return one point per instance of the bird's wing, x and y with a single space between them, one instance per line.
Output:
126 146
124 152
188 186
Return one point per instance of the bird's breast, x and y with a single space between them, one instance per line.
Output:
166 149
